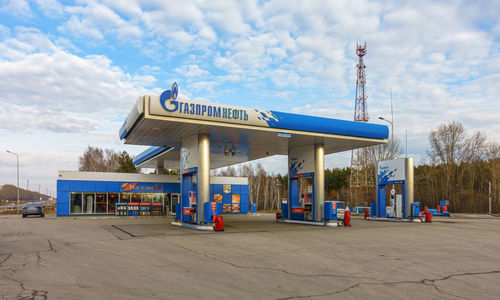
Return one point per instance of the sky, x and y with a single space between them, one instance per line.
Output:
71 71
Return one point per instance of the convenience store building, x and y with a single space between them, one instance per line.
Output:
97 193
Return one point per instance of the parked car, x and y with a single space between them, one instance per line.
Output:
33 208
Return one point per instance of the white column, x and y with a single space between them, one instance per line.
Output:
319 181
203 173
408 185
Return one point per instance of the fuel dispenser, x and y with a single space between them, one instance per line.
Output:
189 197
301 198
211 211
334 210
193 207
395 208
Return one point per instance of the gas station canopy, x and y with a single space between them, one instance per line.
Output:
237 134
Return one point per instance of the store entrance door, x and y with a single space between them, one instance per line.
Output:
174 198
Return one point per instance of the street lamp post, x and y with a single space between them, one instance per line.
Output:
392 127
17 159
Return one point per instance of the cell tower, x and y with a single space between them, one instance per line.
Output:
361 179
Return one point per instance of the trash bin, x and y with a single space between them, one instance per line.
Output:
278 216
347 218
428 217
219 223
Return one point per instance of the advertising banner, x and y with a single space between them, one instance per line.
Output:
391 170
189 153
301 160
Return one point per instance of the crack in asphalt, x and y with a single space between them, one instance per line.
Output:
431 282
50 245
26 293
8 256
425 281
274 269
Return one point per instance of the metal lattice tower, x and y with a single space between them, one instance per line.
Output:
361 179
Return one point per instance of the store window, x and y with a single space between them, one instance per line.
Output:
100 203
124 197
147 198
76 203
135 197
88 203
112 199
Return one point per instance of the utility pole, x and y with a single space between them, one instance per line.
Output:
17 159
392 117
406 138
489 197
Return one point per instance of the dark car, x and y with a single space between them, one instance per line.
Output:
33 208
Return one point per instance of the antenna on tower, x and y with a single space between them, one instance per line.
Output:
361 179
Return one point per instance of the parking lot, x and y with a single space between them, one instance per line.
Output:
147 257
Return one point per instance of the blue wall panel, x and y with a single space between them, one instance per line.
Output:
101 186
244 199
236 188
211 189
217 188
244 189
89 186
227 198
76 186
172 188
113 187
63 186
62 208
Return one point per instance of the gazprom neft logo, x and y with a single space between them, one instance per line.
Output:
168 100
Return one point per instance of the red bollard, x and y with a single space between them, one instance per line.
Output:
366 214
347 218
428 217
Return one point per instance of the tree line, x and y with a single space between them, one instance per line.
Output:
9 192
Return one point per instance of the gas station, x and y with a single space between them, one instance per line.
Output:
197 137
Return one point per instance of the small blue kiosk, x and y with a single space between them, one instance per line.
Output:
397 173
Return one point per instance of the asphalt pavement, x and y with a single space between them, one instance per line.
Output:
254 258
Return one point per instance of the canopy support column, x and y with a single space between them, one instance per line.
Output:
319 181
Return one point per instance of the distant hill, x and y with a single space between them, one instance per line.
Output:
9 192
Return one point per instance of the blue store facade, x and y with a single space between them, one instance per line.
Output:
97 193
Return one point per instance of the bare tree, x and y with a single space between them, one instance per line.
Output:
391 150
94 159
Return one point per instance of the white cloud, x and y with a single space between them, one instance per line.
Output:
78 88
50 8
440 59
18 8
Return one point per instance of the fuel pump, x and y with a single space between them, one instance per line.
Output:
395 208
189 196
193 208
301 195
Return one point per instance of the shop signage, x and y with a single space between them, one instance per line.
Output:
169 102
141 187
